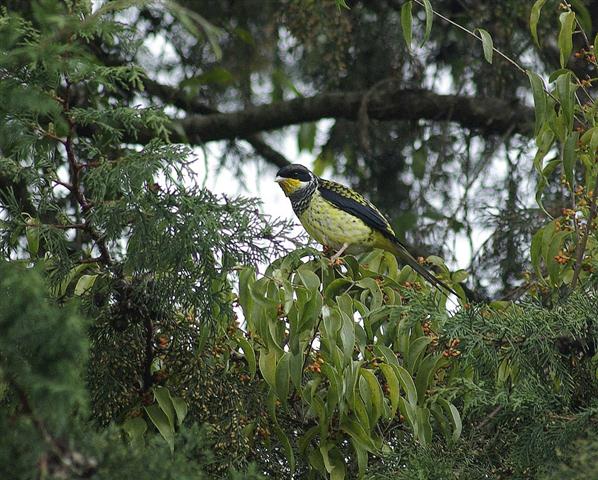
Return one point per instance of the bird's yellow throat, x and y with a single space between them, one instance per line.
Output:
289 185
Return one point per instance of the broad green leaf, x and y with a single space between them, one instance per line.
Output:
162 395
180 407
336 287
425 373
424 428
389 356
362 457
296 368
160 420
565 41
487 44
135 428
406 23
286 446
248 352
309 279
539 94
282 377
62 287
375 394
429 20
407 383
566 100
583 15
347 335
246 279
337 462
569 157
393 387
32 234
409 411
459 276
84 284
416 349
358 433
267 363
534 18
304 442
454 416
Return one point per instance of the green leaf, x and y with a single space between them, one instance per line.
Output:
425 373
376 395
455 417
160 420
565 41
135 428
267 363
407 383
286 445
566 99
406 23
32 234
459 276
424 428
248 352
347 335
309 279
534 17
84 284
393 387
539 94
180 407
282 377
429 21
569 157
162 395
487 44
362 457
416 349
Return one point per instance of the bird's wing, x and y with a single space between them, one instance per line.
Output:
352 202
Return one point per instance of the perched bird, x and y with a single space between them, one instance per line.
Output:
341 219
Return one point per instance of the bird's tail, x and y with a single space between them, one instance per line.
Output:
403 254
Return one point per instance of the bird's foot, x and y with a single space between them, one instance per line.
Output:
326 250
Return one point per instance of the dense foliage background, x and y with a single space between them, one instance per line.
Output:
154 329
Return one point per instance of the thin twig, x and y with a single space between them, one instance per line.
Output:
75 187
582 240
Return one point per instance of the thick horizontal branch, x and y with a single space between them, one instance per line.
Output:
485 114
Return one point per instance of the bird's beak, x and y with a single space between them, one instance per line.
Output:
279 179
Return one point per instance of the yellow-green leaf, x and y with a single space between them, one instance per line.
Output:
565 41
534 17
429 20
248 352
406 23
487 44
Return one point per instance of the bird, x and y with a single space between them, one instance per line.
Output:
341 219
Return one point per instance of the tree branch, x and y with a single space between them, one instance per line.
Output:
486 114
175 97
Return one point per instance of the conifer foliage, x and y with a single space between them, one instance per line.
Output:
122 354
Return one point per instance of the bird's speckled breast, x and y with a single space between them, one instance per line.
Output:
333 227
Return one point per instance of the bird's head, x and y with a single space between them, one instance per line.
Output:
293 178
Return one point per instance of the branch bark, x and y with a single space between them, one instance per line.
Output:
485 114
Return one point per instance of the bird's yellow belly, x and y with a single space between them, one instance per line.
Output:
333 227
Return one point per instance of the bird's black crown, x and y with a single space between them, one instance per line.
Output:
296 171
